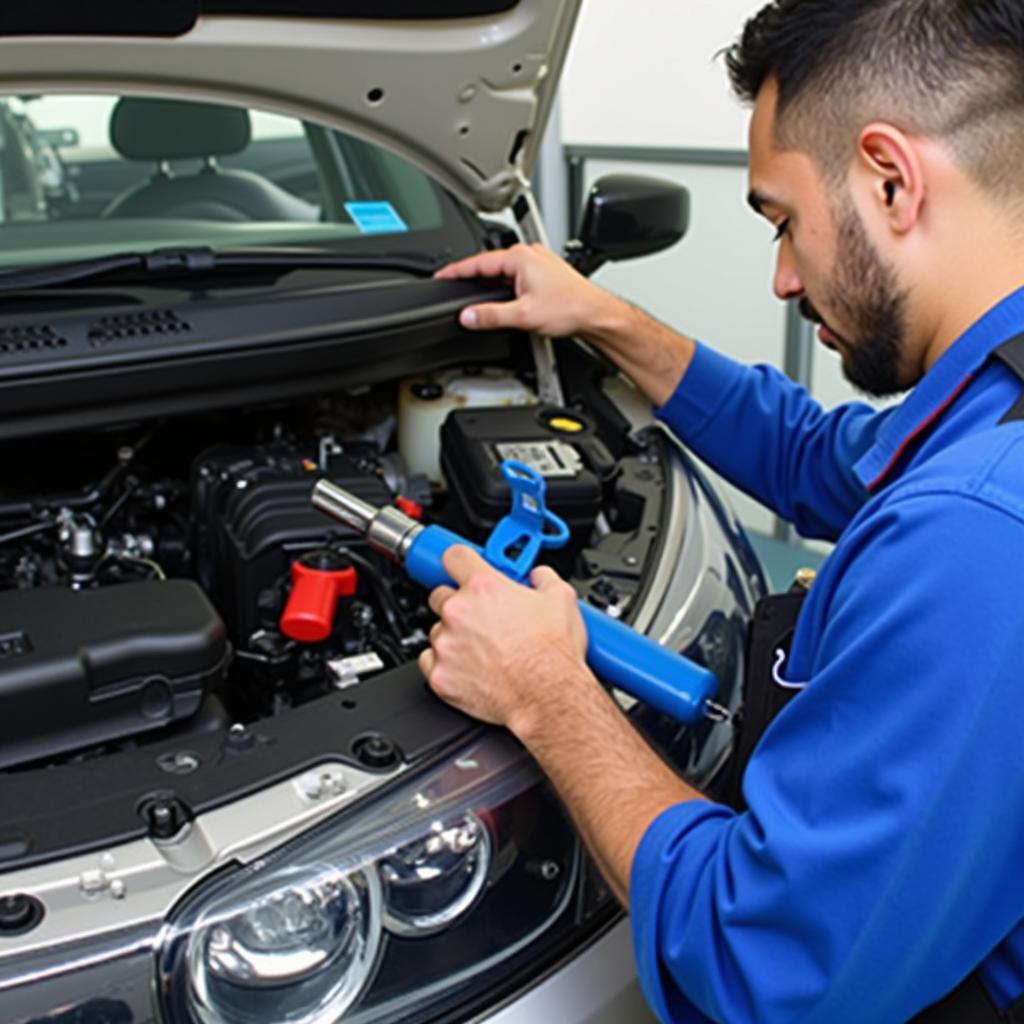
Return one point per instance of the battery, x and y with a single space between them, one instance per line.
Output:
560 444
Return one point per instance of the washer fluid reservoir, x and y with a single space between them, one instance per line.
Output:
424 403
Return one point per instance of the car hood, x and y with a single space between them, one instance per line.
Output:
463 92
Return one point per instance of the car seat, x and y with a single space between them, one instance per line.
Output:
165 130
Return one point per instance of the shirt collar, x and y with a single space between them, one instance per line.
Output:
939 388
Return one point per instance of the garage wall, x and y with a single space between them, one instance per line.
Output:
643 73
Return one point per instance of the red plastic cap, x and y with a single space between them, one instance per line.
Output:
309 614
411 508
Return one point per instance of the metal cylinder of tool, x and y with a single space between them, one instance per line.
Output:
387 530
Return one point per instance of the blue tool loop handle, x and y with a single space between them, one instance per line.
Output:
616 654
518 539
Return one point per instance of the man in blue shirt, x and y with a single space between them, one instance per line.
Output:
881 860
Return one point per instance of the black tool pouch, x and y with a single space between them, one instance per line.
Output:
769 637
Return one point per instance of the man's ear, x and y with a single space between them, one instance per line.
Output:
889 165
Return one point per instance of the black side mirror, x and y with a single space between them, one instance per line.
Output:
628 216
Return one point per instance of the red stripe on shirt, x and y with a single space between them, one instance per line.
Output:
918 431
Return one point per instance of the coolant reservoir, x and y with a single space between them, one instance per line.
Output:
425 402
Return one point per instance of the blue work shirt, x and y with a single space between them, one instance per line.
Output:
882 856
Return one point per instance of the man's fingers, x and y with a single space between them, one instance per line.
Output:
544 577
435 632
426 662
500 263
438 598
462 564
494 316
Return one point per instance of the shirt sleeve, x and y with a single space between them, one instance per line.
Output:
767 436
875 867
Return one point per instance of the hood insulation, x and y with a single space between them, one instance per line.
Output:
176 17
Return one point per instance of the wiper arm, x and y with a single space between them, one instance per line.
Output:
170 263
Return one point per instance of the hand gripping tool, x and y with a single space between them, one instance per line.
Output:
617 654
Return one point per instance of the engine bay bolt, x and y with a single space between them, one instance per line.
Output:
362 614
322 784
165 817
92 883
631 560
181 762
19 913
239 739
547 870
310 787
333 783
375 751
118 889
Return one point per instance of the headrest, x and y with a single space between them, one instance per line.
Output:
151 129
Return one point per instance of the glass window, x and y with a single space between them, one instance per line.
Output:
83 175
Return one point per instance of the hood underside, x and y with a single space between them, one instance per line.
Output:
464 92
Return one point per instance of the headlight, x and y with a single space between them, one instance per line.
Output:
399 910
311 944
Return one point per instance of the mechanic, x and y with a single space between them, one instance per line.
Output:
879 865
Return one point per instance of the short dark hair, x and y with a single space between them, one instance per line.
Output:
949 69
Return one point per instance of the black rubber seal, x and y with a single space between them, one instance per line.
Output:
176 17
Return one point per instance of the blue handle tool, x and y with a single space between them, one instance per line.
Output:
618 655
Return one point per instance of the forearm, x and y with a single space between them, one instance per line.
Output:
612 782
652 355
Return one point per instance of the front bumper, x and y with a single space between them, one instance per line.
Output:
597 987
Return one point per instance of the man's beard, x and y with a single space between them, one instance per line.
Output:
863 292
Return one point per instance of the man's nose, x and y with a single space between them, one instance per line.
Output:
788 284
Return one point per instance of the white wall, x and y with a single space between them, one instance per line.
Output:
644 73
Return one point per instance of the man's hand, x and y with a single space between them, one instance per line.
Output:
554 300
500 649
551 297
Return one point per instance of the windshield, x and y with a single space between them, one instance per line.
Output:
83 176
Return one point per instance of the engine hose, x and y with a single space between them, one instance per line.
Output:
27 531
393 614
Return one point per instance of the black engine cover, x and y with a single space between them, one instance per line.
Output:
255 516
79 668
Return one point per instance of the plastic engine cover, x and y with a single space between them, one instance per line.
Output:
79 668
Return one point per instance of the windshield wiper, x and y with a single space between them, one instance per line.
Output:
171 263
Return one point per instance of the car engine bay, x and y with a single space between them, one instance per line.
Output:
166 551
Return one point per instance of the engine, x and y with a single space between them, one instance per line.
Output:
161 576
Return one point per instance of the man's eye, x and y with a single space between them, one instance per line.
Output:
781 230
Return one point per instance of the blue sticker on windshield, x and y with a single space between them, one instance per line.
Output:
375 218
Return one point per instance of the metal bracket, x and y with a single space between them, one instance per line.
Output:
527 214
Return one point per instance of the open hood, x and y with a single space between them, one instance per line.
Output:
464 91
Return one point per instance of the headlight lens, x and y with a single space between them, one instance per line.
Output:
313 943
432 897
433 881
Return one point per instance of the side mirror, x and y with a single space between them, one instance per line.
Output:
628 216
